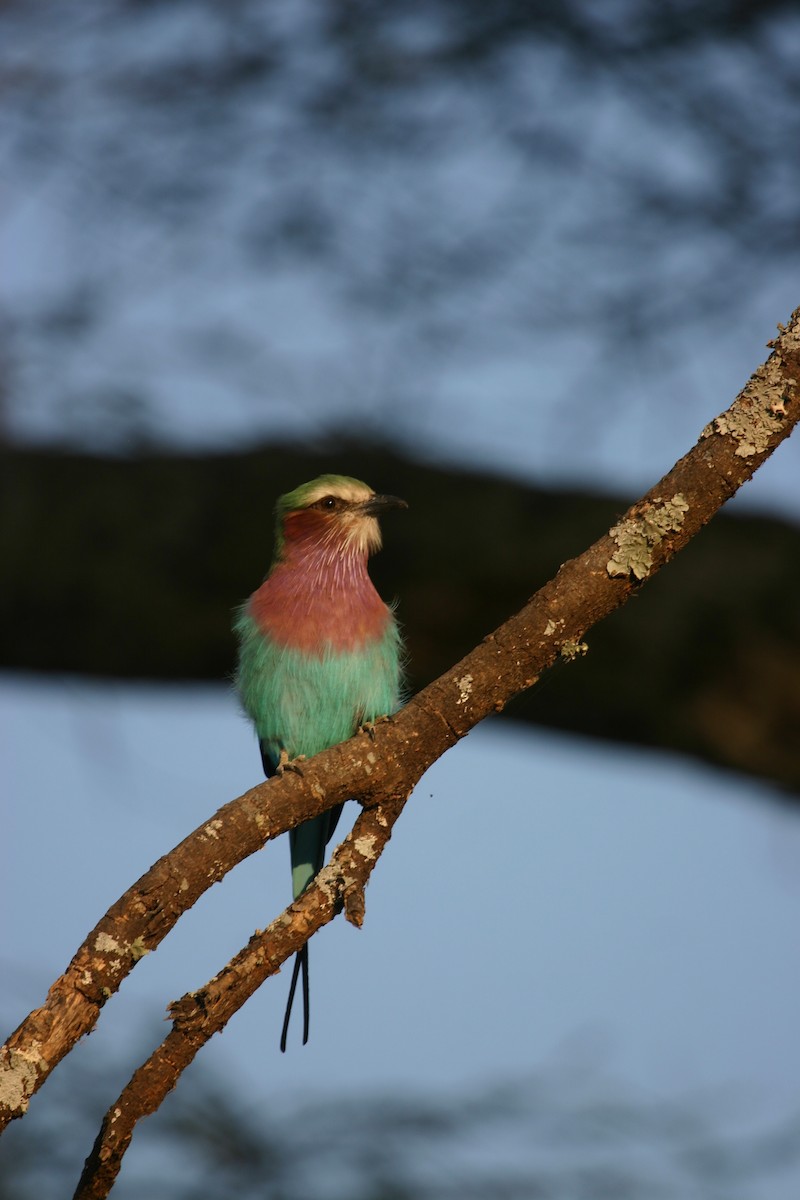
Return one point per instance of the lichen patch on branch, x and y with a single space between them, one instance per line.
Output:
19 1078
638 537
464 685
758 413
750 426
365 845
572 649
138 949
106 944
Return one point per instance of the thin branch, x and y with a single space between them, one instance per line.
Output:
552 624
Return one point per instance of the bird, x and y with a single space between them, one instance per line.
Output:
319 652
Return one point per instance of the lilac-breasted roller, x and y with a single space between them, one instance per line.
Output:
319 651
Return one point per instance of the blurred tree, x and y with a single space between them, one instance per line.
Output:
261 203
566 1133
130 569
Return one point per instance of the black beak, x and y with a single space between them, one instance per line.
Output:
380 504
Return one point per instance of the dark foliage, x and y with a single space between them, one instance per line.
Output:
131 568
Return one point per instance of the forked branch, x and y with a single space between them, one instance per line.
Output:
381 773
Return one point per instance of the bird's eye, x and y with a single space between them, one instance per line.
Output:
329 503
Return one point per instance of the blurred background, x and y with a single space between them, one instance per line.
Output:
505 261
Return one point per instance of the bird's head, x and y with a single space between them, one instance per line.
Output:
335 511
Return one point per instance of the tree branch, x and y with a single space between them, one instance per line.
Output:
381 775
200 1014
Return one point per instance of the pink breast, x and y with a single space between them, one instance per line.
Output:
309 613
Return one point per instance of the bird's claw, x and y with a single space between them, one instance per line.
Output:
290 764
368 727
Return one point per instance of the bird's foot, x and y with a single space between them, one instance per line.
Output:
289 764
368 727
